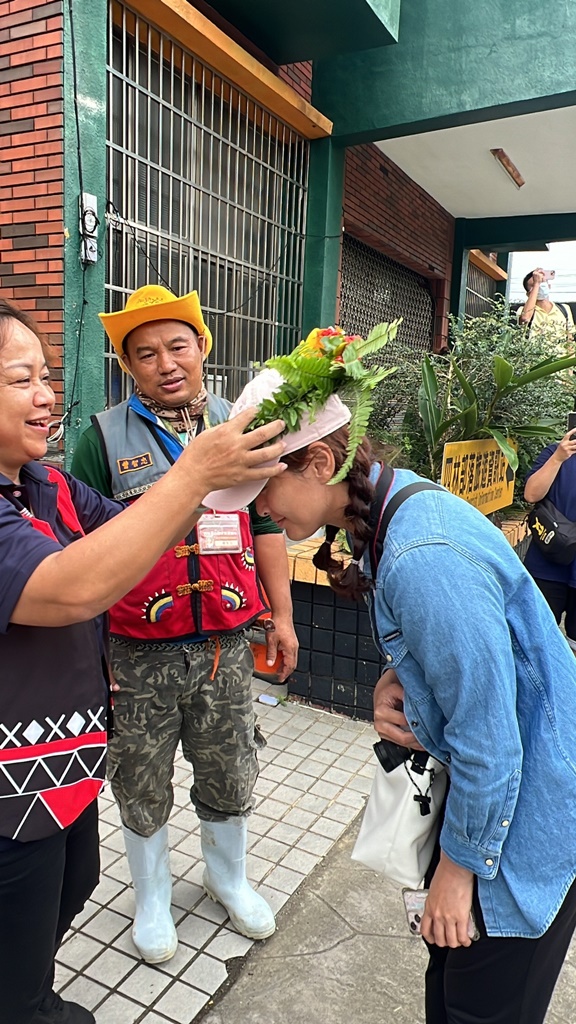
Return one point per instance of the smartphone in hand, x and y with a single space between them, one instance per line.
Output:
415 904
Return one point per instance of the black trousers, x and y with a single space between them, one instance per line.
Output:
43 885
561 598
498 981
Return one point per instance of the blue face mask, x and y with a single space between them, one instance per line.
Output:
544 291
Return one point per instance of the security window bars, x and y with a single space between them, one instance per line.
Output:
480 291
207 192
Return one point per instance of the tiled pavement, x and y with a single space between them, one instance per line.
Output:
315 774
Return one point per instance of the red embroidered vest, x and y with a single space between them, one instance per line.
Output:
186 594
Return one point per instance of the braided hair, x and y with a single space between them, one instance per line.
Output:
347 581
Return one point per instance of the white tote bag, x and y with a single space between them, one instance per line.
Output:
395 838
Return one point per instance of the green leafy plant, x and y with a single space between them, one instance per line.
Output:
495 382
329 361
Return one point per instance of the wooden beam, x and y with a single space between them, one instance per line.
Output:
196 33
478 259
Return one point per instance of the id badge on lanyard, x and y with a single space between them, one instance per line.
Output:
219 534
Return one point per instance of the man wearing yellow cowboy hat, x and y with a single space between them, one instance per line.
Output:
179 654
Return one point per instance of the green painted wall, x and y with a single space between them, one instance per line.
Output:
84 291
323 234
302 30
456 62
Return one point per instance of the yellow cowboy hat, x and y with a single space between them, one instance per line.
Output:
153 302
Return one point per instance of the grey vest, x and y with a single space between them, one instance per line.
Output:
136 453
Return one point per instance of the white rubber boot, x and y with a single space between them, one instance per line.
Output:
153 931
224 852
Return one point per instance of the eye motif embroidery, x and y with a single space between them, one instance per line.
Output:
155 606
232 598
248 559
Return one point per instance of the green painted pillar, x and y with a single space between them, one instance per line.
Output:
323 234
503 261
459 269
84 170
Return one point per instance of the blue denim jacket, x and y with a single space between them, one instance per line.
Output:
490 690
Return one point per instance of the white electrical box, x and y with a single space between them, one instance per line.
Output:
88 227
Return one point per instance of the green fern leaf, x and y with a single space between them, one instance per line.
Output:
378 337
352 365
374 376
303 367
356 432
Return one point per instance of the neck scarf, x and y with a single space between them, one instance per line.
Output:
181 419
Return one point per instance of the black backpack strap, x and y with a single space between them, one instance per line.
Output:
383 485
384 513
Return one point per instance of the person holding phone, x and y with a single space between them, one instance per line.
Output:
478 675
543 316
553 476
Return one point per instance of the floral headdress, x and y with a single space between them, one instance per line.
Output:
328 361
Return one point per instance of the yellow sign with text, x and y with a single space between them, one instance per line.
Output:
479 472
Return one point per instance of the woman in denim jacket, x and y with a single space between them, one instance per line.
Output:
481 677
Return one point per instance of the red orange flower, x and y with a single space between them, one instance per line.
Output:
318 343
348 339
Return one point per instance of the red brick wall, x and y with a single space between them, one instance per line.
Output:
384 208
299 76
32 164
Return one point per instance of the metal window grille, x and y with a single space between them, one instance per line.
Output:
480 291
210 189
375 289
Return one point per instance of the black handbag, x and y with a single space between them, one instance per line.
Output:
552 533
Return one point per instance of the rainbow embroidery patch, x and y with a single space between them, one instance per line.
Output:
248 558
156 606
232 598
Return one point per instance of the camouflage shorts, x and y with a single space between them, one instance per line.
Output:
171 695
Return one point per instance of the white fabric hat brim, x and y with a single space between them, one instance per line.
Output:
333 415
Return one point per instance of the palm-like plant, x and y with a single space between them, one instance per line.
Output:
457 414
497 381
